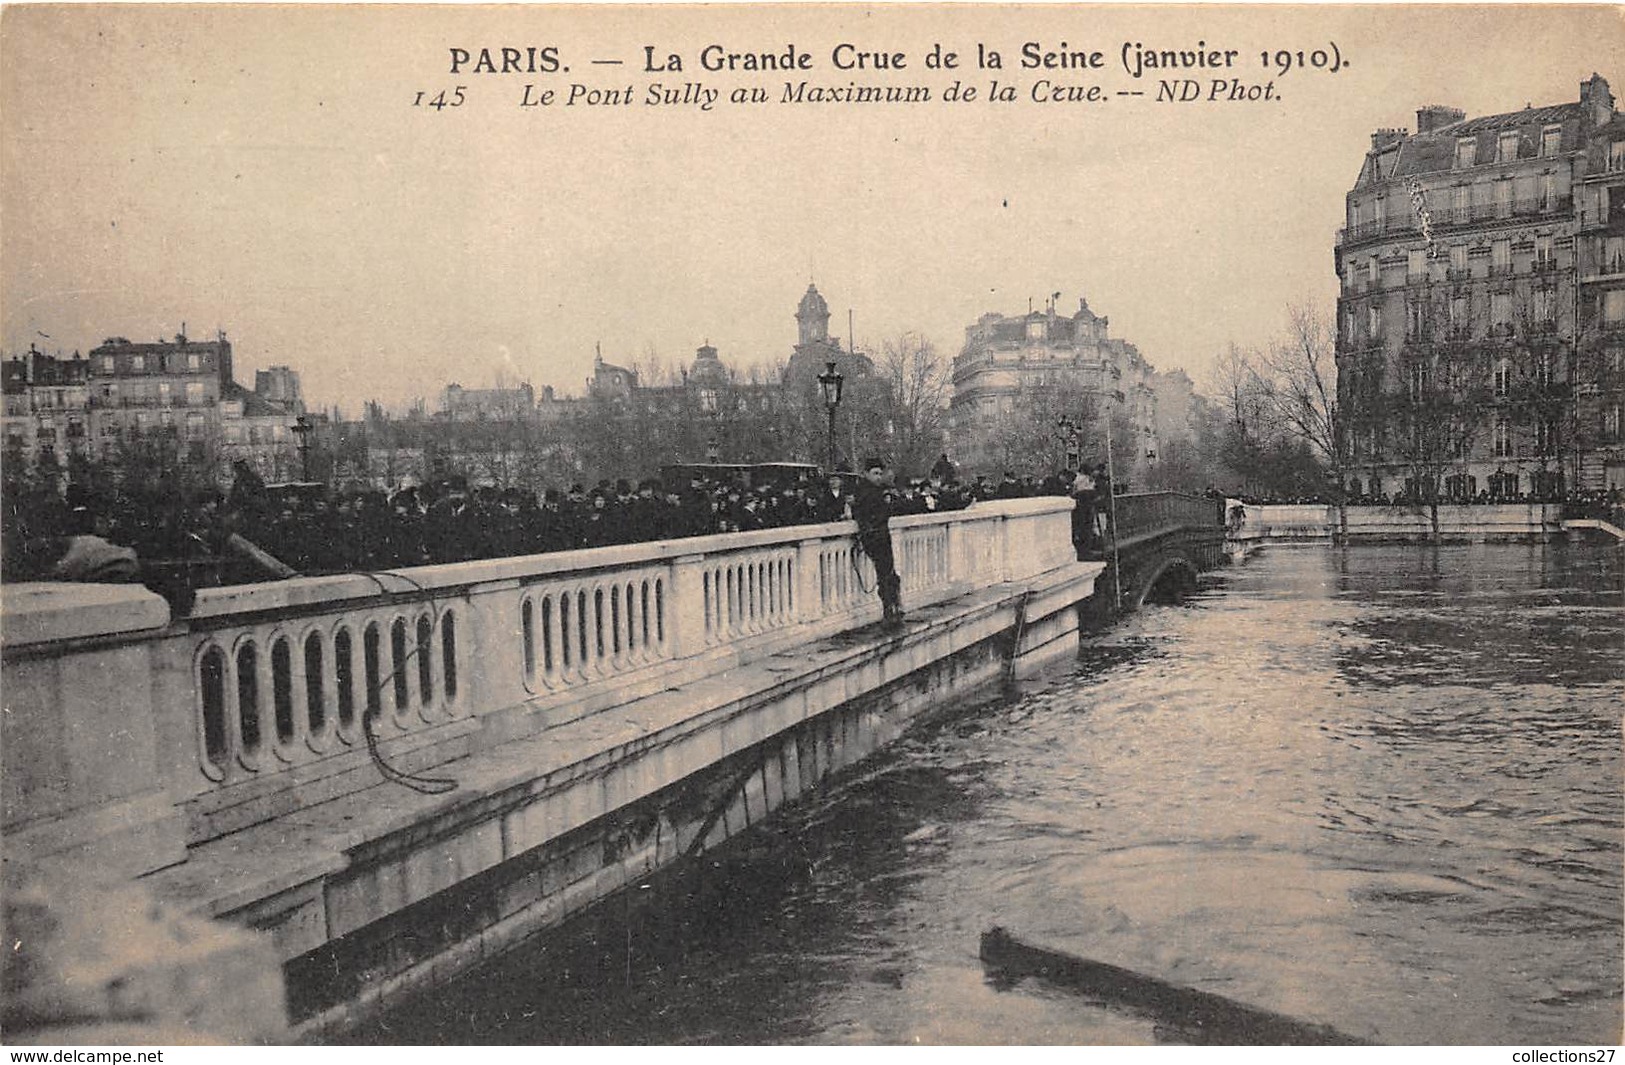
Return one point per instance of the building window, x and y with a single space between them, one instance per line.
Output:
1458 258
1466 152
1543 253
1458 314
194 394
1613 255
1616 155
1372 270
1374 322
1501 256
194 361
1503 378
1501 310
138 363
1613 306
1551 141
1545 306
164 390
1506 148
1416 319
107 364
1502 439
1421 379
1610 422
1461 203
1543 369
1416 264
1503 198
1546 435
1548 192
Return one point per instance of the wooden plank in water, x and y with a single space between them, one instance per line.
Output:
1200 1016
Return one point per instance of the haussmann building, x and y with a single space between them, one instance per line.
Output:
1481 321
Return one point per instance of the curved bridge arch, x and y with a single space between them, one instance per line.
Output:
1164 541
1170 579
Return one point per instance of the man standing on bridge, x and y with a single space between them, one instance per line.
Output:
871 509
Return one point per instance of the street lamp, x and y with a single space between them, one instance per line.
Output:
829 382
302 429
1071 434
711 406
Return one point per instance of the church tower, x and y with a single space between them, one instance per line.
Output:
813 318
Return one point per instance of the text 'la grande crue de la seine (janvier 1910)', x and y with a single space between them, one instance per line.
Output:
540 78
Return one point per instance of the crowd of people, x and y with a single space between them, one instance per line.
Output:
1406 497
255 532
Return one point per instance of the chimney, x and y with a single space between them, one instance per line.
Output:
1436 116
1597 100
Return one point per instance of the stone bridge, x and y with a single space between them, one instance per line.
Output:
394 775
1162 541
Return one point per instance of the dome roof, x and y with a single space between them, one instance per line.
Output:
812 304
707 366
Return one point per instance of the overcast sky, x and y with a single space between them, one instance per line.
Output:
263 170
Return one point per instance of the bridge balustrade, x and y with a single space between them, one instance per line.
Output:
280 687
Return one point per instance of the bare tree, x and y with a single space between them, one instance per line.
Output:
1299 376
918 391
1050 424
1438 410
1249 424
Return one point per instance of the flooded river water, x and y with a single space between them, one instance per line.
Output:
1378 788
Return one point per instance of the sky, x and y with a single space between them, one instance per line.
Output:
263 170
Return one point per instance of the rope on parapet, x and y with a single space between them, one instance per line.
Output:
852 556
1020 631
420 784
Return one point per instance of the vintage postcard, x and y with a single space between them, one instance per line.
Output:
813 524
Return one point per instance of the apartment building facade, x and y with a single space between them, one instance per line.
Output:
1481 319
159 402
1013 369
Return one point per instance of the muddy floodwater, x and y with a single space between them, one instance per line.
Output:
1376 788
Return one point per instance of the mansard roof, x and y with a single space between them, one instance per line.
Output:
1542 116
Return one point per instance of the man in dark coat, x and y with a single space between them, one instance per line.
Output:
871 509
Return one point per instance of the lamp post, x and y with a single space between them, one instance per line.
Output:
711 405
302 429
829 382
1071 434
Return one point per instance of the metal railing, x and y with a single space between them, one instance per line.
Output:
1140 515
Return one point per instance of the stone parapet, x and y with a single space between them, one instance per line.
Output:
269 697
1457 522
